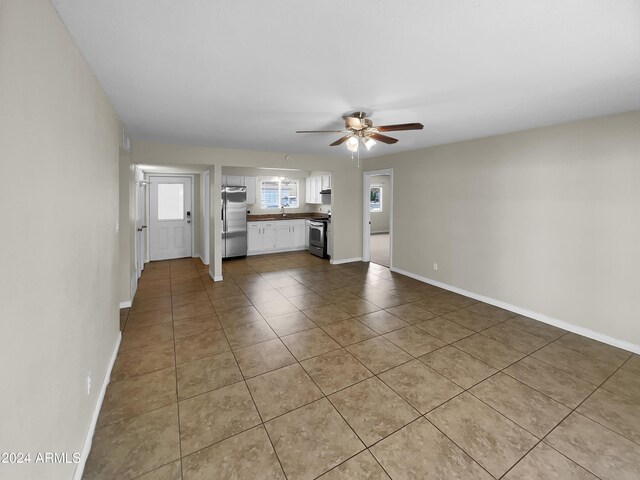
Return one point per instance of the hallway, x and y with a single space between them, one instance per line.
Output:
294 368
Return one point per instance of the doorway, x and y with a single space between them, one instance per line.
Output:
170 217
378 217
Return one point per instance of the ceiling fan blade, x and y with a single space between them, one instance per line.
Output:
340 141
319 131
401 126
383 138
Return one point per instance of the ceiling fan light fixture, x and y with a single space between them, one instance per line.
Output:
352 144
369 143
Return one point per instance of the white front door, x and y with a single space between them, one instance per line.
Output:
170 218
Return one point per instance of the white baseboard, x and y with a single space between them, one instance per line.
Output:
217 279
86 448
201 257
345 260
126 304
528 313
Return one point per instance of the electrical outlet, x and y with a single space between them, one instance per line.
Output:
435 266
89 384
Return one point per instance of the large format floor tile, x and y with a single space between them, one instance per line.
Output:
216 415
289 366
361 467
246 455
378 354
130 448
312 439
282 390
419 385
527 407
373 410
551 381
335 370
420 451
596 448
458 366
543 463
491 439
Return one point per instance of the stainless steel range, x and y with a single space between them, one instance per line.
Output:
318 238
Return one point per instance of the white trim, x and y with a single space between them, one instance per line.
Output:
528 313
201 259
193 209
345 260
217 279
86 448
126 304
366 213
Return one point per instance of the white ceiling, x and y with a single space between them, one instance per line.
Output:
249 73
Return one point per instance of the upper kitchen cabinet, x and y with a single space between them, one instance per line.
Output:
240 181
314 185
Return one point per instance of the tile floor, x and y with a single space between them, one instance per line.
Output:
293 368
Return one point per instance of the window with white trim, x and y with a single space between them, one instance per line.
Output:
278 192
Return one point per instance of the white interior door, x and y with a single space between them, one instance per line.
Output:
170 218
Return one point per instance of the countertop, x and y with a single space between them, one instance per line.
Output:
289 216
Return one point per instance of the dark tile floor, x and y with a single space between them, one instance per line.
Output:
293 368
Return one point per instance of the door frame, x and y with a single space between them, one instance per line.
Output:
148 212
140 217
206 194
366 214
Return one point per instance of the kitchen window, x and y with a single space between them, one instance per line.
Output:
279 192
375 197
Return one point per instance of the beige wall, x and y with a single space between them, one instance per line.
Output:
59 155
380 220
126 269
346 184
547 220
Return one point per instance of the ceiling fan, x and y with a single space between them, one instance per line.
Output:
359 128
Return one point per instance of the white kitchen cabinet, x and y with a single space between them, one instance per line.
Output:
254 237
268 237
314 184
235 181
306 233
275 236
298 236
283 235
252 185
329 240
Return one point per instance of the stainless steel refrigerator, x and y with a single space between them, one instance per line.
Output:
234 222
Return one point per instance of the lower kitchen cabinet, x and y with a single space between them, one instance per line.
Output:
278 236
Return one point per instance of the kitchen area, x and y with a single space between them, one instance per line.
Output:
267 211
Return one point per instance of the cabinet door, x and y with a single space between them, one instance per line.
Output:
298 234
306 234
268 237
251 184
316 186
235 181
329 241
223 180
283 235
254 238
307 190
326 182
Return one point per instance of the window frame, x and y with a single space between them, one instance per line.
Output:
372 209
279 181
